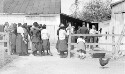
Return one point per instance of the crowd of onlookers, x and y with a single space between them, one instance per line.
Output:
24 37
36 37
63 35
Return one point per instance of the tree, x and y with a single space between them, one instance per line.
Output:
96 11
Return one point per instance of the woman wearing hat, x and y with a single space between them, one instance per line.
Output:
62 43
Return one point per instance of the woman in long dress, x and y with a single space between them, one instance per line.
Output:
35 38
25 40
13 36
62 44
19 39
45 39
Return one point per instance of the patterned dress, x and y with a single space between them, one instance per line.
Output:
35 40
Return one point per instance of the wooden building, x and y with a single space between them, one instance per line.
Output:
115 26
118 19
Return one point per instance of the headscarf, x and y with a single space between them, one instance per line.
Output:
35 24
19 24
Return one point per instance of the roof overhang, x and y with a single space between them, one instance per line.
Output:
116 3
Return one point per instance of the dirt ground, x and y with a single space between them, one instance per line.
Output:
56 65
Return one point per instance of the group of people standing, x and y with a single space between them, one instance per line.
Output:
24 36
63 34
37 37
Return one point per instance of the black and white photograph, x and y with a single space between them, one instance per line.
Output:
62 36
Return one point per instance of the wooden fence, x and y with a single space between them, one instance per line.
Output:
5 42
97 35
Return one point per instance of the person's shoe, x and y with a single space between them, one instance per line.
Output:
61 56
43 54
65 56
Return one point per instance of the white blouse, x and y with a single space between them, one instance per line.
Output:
62 34
80 40
44 34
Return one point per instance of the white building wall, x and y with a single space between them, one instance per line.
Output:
52 22
118 21
105 28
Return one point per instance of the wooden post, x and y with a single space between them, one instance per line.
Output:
69 41
113 41
8 43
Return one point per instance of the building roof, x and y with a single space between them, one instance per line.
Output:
116 3
32 6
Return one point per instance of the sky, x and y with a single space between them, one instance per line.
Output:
66 5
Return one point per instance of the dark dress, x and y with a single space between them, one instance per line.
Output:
62 45
13 43
35 40
25 42
13 36
19 42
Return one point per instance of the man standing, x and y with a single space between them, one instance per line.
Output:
83 30
93 31
92 38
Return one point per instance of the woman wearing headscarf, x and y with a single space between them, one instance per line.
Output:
19 39
62 44
58 39
35 38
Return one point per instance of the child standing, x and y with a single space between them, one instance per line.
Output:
81 47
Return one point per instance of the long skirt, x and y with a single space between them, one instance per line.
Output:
46 44
62 45
13 43
34 46
81 46
40 49
57 46
19 42
25 48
